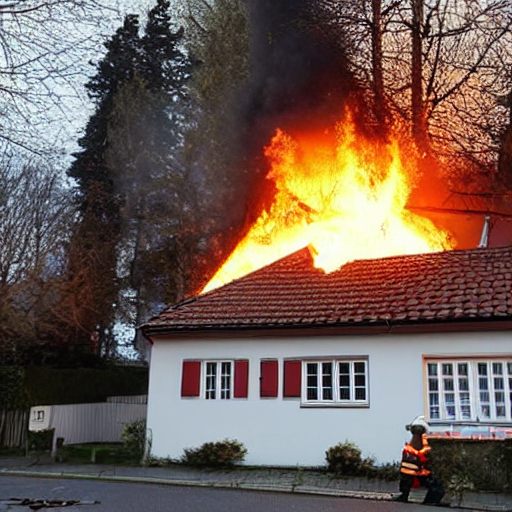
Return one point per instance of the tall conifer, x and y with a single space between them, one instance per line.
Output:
126 143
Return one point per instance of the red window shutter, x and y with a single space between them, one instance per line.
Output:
190 378
292 377
241 378
268 378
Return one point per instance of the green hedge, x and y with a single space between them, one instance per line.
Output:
51 386
471 464
41 440
12 390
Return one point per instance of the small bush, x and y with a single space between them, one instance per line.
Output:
471 464
344 459
218 454
389 471
134 437
367 468
41 440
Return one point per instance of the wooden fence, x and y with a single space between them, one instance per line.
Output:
14 428
132 399
76 423
86 423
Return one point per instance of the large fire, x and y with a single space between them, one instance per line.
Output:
343 196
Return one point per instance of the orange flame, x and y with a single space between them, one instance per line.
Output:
344 200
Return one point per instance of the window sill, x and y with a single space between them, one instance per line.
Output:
470 423
334 405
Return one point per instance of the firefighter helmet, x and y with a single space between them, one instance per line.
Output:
419 421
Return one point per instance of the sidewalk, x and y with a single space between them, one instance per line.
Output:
305 481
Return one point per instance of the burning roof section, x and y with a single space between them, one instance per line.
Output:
450 286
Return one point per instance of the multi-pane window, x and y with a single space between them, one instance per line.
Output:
336 381
470 390
214 379
218 380
509 374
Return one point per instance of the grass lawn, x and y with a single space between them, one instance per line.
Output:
98 454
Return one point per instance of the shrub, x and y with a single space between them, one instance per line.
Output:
344 459
12 392
134 436
389 471
97 453
470 464
367 468
41 440
215 454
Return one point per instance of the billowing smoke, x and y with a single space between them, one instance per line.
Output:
298 76
299 80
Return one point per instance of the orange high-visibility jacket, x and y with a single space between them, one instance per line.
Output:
413 461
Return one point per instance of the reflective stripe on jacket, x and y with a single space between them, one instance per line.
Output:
413 461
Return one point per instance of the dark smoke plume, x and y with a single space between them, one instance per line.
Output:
298 76
299 80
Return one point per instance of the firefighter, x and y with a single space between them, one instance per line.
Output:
414 468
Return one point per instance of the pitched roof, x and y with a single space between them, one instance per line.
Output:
461 285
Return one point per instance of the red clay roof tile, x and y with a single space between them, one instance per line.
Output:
435 287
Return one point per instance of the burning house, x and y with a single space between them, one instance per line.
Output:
342 312
291 360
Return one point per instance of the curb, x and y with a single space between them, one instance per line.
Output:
295 489
291 489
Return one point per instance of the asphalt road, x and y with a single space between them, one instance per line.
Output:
134 497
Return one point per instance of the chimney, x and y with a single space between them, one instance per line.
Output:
484 238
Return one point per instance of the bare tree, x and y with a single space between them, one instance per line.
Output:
45 48
445 65
468 58
419 128
505 151
35 217
381 107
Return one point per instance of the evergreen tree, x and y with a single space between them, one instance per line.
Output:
165 67
125 155
93 249
117 68
220 42
145 146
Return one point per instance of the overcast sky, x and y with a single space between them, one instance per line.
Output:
56 107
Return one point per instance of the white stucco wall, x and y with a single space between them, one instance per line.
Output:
279 432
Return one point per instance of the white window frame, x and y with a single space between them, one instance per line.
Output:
328 390
484 395
38 415
217 384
